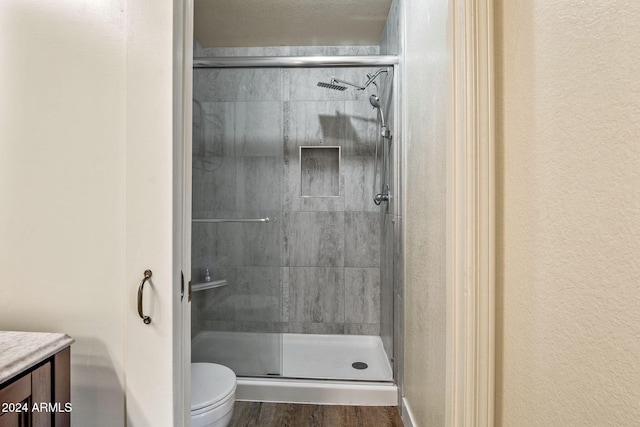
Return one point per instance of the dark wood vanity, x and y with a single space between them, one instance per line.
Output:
35 379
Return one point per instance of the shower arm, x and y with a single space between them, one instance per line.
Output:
357 86
334 81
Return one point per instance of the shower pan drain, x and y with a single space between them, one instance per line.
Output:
359 365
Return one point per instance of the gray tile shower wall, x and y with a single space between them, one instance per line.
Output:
315 267
315 239
358 188
362 240
362 295
316 295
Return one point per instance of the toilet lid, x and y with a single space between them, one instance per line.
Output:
210 383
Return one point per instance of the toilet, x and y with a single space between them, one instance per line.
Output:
213 393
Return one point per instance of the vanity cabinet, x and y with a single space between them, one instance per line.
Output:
39 394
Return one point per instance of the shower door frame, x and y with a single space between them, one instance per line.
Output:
295 61
342 61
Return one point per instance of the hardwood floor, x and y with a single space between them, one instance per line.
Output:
260 414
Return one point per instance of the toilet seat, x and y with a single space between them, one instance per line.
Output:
212 386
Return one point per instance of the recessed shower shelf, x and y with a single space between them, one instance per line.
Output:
208 285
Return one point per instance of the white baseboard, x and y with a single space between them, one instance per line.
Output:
407 416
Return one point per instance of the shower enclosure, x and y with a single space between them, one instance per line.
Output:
290 252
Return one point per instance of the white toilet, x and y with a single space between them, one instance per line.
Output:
213 393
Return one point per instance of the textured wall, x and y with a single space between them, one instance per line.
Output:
425 137
62 168
315 268
568 213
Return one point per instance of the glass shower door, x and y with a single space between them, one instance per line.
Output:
238 237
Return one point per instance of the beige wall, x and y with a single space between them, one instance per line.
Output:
85 153
568 143
62 168
424 106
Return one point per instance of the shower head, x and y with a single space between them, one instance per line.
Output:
331 86
375 101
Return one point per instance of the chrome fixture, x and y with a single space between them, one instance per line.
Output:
375 102
333 85
385 133
294 61
232 220
382 197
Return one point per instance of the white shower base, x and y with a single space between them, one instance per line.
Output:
313 368
331 357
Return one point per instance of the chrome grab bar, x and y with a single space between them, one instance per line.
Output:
232 220
147 276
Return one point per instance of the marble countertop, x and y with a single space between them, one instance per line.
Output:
20 351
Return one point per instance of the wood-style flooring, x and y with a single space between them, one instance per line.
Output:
261 414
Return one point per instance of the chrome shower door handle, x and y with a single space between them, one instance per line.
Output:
147 276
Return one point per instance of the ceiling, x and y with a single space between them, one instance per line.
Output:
254 23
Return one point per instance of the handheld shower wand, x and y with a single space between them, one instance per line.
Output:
385 193
375 102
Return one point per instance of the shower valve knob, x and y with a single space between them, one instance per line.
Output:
382 197
379 198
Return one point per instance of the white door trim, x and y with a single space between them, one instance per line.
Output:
471 202
182 117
